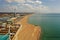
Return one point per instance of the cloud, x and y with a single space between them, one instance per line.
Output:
19 8
44 9
34 2
39 2
18 1
25 6
23 1
9 1
29 8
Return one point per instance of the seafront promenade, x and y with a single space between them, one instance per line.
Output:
27 31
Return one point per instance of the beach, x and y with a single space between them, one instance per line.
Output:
27 31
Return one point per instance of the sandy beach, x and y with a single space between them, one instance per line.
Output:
27 31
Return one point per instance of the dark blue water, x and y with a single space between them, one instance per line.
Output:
49 23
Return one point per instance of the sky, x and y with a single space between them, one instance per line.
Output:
38 6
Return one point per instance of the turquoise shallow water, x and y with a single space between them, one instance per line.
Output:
4 37
1 36
50 25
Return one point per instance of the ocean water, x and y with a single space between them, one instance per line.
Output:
49 23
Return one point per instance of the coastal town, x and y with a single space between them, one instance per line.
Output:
11 23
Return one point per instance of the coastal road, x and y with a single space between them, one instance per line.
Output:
27 31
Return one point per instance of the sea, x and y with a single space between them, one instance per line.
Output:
49 24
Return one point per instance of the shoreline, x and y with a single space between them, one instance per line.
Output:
27 31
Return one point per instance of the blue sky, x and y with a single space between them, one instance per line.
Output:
40 6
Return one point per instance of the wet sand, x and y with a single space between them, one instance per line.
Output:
27 31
